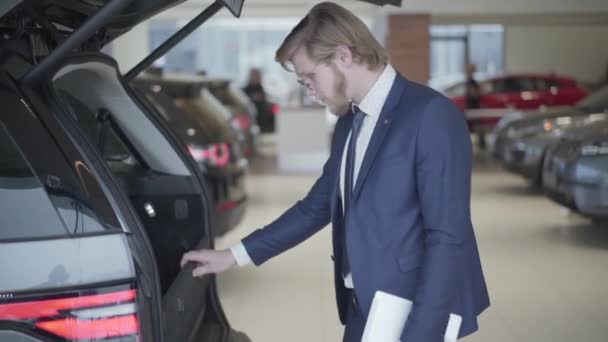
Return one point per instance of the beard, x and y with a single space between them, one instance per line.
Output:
339 104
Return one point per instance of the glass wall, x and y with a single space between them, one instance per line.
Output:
453 46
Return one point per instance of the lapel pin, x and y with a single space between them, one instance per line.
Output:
386 121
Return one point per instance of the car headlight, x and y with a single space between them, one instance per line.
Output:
597 149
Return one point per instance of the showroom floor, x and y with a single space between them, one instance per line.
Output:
546 269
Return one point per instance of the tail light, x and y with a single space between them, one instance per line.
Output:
226 206
79 317
242 122
275 109
217 155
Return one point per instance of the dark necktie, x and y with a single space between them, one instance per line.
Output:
348 179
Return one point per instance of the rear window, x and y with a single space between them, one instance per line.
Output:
231 97
37 206
101 130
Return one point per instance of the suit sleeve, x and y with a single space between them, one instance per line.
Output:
299 222
443 177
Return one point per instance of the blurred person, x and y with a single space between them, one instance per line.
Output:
255 90
473 100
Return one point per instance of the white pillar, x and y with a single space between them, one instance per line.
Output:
302 140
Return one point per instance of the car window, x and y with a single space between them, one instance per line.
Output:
486 87
210 114
525 84
542 84
103 133
510 85
500 86
38 206
190 125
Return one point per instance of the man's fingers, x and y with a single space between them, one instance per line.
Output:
196 256
201 270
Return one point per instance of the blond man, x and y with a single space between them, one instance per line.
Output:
396 187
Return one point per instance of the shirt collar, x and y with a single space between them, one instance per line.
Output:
376 97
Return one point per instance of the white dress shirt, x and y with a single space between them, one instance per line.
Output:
372 106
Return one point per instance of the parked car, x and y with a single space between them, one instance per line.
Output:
521 138
500 95
98 197
240 114
524 154
244 112
213 145
575 171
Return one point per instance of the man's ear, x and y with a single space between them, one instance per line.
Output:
343 56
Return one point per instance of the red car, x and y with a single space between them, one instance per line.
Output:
523 91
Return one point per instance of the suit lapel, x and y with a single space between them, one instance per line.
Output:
382 127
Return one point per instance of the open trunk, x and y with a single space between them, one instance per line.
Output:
160 182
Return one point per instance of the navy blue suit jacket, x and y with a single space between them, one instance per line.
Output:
408 230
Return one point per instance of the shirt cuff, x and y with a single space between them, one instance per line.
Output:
348 281
239 252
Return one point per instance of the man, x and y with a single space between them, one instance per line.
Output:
255 90
473 98
396 186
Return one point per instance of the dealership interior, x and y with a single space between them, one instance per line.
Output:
252 141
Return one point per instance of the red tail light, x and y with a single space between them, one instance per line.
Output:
89 317
75 329
228 205
215 155
242 122
275 109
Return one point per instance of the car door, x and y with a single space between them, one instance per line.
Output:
504 93
525 93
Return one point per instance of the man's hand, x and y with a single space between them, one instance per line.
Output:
209 261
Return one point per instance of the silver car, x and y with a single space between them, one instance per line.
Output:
521 143
575 171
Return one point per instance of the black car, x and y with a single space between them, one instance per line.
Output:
243 111
575 171
212 143
240 114
99 199
521 144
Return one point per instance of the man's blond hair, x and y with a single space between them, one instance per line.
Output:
326 27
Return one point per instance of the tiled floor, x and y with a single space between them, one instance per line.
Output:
547 270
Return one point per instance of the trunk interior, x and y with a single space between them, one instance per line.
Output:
166 196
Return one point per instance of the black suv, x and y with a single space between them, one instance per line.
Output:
99 199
